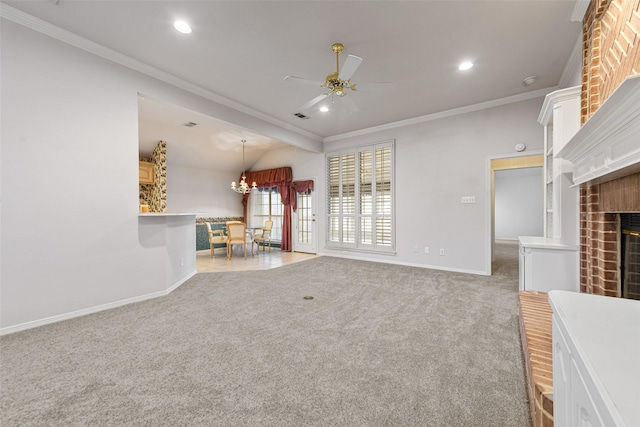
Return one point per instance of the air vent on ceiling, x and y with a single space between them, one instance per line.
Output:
190 124
301 116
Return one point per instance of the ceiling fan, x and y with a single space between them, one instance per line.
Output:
339 82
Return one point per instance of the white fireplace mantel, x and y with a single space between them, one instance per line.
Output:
607 146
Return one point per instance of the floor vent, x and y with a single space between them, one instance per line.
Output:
190 124
301 116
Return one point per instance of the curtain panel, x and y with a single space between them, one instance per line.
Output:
280 178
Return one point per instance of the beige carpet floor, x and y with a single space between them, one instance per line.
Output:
378 345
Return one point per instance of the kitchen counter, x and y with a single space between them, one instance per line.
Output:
165 214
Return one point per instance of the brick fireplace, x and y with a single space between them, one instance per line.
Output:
608 170
600 232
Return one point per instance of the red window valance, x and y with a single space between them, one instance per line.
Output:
299 187
270 177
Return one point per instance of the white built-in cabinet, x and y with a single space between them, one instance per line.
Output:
560 116
551 261
596 375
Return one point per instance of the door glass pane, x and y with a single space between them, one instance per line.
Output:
305 219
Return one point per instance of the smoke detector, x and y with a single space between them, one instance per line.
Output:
528 81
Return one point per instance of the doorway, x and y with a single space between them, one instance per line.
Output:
506 164
305 226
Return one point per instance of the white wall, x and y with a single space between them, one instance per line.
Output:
71 237
206 192
518 203
438 162
304 164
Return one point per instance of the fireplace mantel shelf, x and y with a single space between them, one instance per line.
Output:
607 146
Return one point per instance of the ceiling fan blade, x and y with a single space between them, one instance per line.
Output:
376 87
349 104
313 101
349 67
300 80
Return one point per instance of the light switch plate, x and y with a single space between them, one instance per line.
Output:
468 199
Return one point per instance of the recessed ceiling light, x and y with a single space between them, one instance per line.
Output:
324 109
465 66
182 26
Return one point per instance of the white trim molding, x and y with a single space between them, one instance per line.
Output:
606 146
448 113
91 310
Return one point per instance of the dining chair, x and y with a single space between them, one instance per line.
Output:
265 236
236 235
215 237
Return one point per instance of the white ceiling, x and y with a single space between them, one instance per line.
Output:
209 143
242 50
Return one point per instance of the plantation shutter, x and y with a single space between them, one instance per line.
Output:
360 198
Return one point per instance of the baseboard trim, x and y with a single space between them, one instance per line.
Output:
91 310
407 264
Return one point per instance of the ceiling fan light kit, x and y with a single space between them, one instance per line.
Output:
334 82
338 82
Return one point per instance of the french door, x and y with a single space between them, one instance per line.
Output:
305 227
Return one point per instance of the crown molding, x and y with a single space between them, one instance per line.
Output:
442 114
555 97
53 31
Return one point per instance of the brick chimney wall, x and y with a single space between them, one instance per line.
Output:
611 50
600 232
611 53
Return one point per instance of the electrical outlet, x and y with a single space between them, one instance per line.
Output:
426 249
415 249
181 262
442 251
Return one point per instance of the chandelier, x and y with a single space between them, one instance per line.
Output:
243 187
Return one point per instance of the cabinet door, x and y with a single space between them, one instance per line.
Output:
561 377
145 171
584 412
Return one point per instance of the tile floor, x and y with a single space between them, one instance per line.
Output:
260 261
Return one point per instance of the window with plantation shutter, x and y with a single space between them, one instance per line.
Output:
360 198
